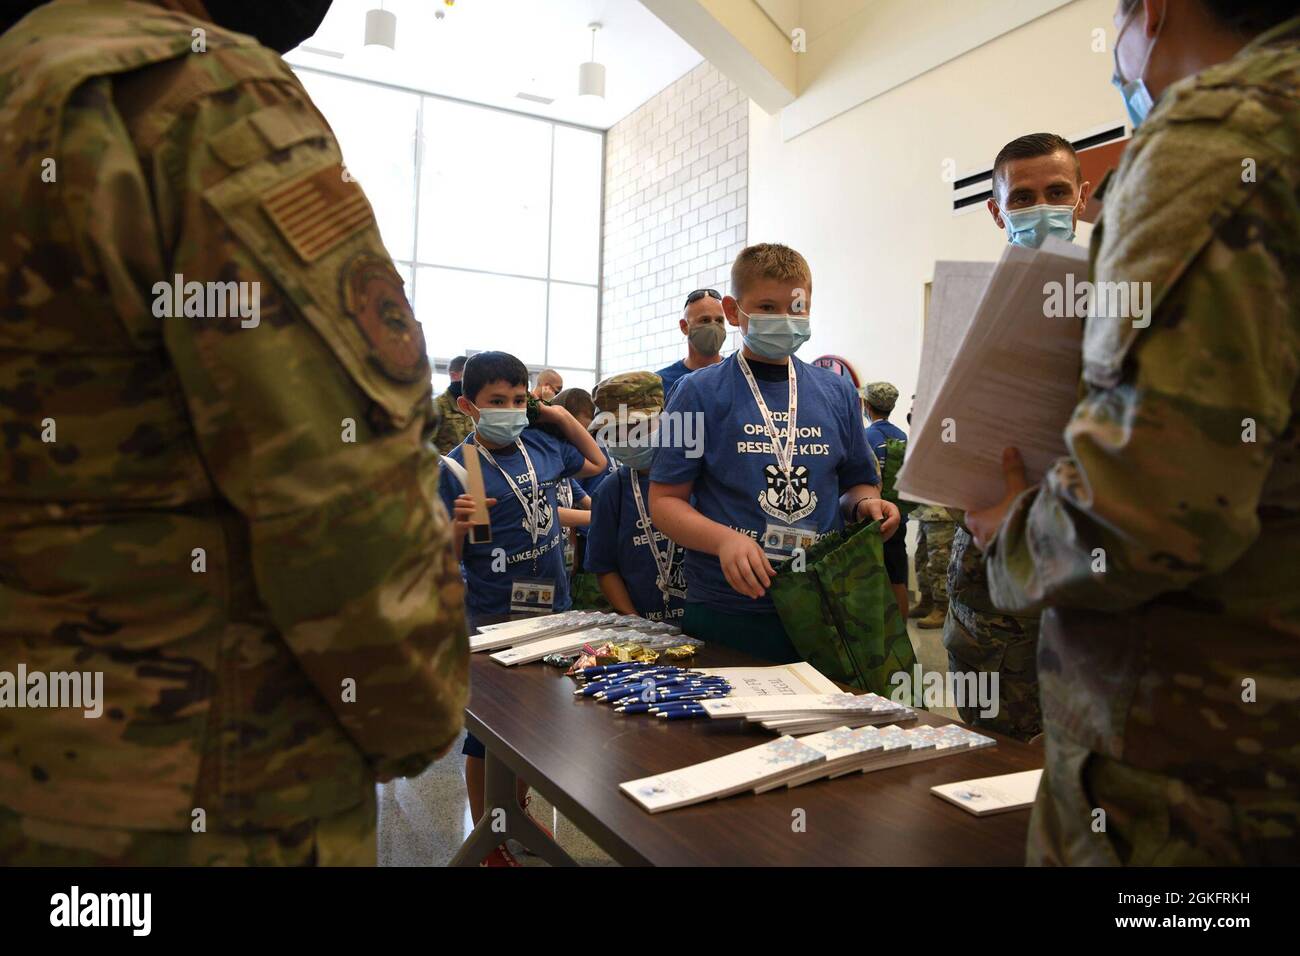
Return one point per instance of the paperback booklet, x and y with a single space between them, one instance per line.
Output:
807 713
723 776
1010 791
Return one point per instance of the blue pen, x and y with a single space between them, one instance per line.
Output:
659 692
682 714
642 706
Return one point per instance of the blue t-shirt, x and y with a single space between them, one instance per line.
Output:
592 483
487 591
671 374
617 541
736 480
878 433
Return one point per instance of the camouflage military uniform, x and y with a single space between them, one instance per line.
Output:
935 531
452 424
1171 675
237 524
981 638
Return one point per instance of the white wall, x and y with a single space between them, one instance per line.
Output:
675 214
863 196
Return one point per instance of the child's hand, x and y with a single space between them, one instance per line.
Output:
745 565
462 518
555 414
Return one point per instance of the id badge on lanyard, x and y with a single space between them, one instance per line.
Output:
663 561
532 595
781 541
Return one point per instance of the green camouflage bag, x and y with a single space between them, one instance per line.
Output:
585 591
840 613
895 451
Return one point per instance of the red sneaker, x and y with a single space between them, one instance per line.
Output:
500 857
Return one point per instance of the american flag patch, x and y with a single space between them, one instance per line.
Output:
317 212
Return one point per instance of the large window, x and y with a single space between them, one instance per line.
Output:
492 217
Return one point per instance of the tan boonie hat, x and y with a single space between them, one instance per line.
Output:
638 393
880 395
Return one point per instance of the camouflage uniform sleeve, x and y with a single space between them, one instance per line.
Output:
310 414
1171 448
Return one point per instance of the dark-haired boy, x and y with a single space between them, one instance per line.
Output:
522 568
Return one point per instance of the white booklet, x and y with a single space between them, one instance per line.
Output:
1015 373
779 679
1010 791
845 748
797 706
565 643
722 776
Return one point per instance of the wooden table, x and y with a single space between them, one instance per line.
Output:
576 752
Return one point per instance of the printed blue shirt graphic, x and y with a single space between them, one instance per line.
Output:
671 374
737 481
487 587
880 432
617 541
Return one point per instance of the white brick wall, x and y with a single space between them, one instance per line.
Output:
676 179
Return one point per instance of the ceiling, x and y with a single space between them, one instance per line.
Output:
487 51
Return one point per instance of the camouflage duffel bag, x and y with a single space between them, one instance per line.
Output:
840 613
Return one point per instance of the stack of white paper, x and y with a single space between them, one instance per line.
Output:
723 776
775 680
1010 791
1012 379
808 713
513 633
791 762
566 643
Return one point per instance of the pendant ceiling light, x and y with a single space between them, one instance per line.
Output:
381 28
591 75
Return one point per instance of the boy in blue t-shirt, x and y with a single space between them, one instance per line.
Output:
751 493
522 568
640 571
880 398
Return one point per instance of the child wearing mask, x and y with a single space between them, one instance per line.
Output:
639 569
521 467
784 460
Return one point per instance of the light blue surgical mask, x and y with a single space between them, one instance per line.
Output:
640 457
1030 227
776 336
501 426
1137 98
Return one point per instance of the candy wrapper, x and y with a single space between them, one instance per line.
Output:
561 660
638 653
680 651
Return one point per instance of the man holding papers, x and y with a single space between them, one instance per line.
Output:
1163 546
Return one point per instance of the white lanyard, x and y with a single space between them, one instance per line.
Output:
784 453
531 512
663 563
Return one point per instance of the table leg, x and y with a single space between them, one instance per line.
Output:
499 792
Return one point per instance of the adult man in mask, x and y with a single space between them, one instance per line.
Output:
704 324
219 506
1163 546
453 424
1038 191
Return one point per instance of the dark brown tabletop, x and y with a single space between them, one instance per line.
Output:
576 752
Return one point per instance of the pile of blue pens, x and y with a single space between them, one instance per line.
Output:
672 693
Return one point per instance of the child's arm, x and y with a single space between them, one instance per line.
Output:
744 564
575 435
863 503
615 591
462 518
574 518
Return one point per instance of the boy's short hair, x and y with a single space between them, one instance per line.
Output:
1032 146
577 402
768 260
457 365
484 368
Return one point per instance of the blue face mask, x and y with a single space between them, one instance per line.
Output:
640 457
1137 98
501 426
776 336
1030 227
